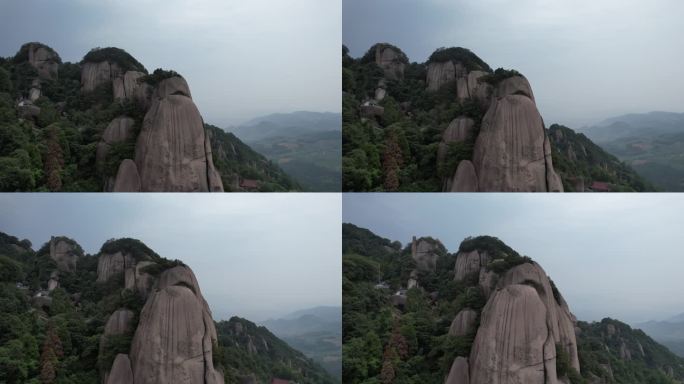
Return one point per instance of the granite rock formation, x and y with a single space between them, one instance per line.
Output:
391 60
65 253
175 336
423 252
512 151
171 153
119 130
523 322
172 150
43 59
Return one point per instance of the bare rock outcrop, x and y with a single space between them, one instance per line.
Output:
174 339
468 84
127 178
465 178
471 87
458 374
136 279
561 322
511 151
442 73
213 175
121 372
64 253
43 59
459 130
464 323
468 263
94 74
128 87
424 254
391 60
522 323
119 130
171 152
119 322
109 265
513 343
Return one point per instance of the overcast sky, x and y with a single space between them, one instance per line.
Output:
586 60
611 255
254 255
241 58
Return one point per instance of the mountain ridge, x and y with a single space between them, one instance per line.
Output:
420 314
105 124
121 315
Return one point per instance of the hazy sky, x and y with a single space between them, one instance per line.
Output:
241 58
611 255
586 60
254 255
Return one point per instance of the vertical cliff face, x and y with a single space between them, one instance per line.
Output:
43 59
425 253
492 137
65 253
512 151
391 60
524 321
175 335
174 339
172 151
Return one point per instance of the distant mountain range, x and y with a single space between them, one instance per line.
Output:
317 332
669 332
306 145
652 143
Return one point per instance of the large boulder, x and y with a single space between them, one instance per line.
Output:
127 178
109 265
465 178
424 254
513 343
175 336
441 73
471 87
128 87
119 322
121 372
559 319
514 85
94 74
171 153
468 263
391 60
44 59
64 253
136 279
464 322
510 153
119 130
458 374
